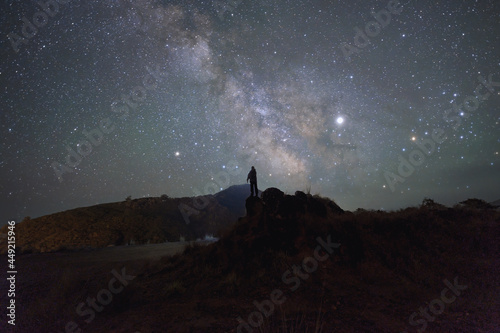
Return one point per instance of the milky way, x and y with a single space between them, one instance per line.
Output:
375 104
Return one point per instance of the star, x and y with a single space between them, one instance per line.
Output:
108 92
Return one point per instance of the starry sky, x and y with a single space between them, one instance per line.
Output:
375 104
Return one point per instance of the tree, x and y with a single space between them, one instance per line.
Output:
431 204
476 204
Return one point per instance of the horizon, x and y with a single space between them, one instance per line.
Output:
260 190
356 101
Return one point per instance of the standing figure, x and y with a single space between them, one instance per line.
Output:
252 176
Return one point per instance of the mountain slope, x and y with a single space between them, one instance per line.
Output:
234 198
137 221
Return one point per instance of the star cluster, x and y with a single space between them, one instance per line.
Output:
107 99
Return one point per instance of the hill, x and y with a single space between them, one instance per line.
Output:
233 198
133 221
295 263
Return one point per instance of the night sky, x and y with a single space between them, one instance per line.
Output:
105 99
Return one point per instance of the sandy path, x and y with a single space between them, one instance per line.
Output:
126 253
38 269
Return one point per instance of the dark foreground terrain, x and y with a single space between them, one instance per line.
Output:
293 264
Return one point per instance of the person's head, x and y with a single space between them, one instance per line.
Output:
253 167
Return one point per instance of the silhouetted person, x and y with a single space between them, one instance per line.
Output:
252 176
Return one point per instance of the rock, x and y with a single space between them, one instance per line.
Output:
272 197
301 196
317 207
335 208
253 206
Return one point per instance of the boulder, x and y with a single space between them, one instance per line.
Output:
254 206
271 198
301 196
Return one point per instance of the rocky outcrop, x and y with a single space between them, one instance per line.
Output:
278 203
